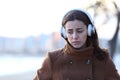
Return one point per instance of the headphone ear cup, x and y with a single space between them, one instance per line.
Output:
63 33
90 30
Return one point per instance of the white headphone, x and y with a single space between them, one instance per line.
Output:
90 30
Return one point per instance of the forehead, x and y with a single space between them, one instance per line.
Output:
75 24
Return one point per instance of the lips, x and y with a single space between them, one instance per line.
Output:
76 42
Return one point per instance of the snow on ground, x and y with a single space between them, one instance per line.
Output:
10 65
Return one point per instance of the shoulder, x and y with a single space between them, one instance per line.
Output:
101 54
55 54
108 58
107 53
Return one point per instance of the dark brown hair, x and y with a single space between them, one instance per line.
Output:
93 39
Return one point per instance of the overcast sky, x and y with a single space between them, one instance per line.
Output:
20 18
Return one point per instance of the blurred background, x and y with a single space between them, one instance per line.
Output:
31 28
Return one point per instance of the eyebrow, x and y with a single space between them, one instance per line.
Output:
75 29
79 28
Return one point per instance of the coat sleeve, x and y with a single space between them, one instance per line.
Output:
45 72
111 72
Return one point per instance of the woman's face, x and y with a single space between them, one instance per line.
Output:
76 32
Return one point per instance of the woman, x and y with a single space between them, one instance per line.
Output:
81 58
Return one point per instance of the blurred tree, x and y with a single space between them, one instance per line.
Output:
108 7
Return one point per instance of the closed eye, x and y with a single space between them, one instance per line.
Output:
70 31
80 31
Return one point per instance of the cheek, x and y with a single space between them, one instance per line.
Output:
83 36
69 37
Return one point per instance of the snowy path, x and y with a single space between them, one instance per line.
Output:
14 65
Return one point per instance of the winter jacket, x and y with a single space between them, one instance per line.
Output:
72 64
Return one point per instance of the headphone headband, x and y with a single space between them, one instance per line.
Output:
88 14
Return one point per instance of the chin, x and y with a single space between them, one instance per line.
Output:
77 46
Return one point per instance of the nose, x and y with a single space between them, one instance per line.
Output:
75 35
